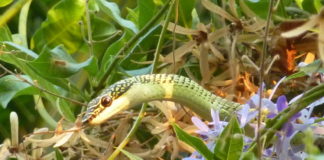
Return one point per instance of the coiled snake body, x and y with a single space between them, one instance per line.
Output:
139 89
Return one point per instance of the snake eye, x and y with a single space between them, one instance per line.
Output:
105 101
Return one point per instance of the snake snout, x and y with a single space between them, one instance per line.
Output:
90 111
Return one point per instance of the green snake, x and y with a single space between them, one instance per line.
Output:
133 91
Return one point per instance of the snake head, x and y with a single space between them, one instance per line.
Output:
109 103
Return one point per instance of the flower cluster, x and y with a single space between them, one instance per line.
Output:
283 148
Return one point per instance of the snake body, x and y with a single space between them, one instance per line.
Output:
139 89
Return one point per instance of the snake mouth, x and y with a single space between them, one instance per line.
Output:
95 117
90 113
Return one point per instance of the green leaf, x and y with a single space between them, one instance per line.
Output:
112 10
111 51
299 3
5 33
130 155
61 27
101 29
193 141
141 71
313 67
65 109
248 156
259 7
229 146
57 63
18 61
11 86
5 2
309 69
185 9
147 9
58 154
92 68
308 5
318 5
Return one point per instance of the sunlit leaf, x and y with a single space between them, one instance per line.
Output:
5 2
112 10
61 27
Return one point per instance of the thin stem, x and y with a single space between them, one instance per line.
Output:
130 134
173 34
114 35
111 66
161 38
89 41
41 89
261 78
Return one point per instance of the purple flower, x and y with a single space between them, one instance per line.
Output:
209 133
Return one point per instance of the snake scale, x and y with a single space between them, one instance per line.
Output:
133 91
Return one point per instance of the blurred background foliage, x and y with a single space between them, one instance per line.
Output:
53 45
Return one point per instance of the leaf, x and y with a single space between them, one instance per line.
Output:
5 33
130 155
230 143
313 67
18 61
61 27
57 63
101 29
146 11
193 141
141 71
22 52
307 70
92 68
5 2
112 10
308 5
11 86
65 109
185 9
111 51
318 5
58 154
259 7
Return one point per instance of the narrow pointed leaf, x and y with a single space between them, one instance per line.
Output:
194 142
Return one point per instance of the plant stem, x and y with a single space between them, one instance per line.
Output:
89 41
130 134
261 78
161 38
